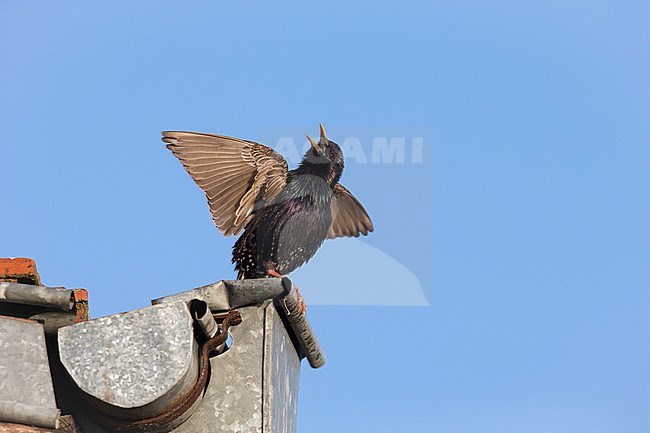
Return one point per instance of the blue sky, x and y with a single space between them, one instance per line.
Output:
524 225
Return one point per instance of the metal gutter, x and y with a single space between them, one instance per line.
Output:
227 295
53 297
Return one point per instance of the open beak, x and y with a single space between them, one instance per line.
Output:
313 144
322 141
323 135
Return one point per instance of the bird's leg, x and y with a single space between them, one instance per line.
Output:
274 273
301 302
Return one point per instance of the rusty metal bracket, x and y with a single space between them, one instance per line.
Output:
232 318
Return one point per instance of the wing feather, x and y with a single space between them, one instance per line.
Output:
349 218
235 174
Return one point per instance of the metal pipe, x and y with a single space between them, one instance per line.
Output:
204 317
248 292
288 305
230 294
22 413
53 297
54 320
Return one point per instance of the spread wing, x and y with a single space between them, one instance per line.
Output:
349 218
235 174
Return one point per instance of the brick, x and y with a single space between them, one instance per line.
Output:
19 270
81 305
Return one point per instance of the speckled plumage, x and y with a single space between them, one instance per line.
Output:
286 215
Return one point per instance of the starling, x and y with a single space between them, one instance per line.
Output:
285 215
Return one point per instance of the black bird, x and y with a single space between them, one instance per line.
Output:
286 215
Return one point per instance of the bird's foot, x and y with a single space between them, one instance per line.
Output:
274 273
300 300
